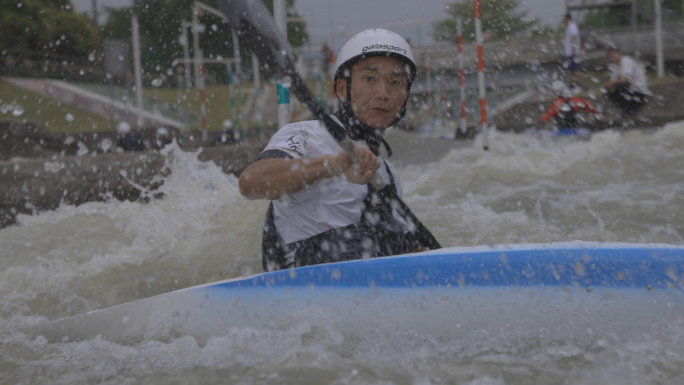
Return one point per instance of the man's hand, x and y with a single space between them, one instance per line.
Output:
359 172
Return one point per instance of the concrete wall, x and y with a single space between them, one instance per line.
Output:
38 184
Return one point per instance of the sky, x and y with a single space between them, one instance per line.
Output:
335 21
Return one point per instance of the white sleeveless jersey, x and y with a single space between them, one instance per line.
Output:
327 204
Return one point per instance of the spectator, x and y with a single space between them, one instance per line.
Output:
127 140
571 48
627 87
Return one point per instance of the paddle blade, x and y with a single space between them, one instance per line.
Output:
257 30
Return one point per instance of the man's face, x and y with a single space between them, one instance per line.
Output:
614 56
378 90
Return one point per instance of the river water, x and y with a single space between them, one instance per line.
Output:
612 187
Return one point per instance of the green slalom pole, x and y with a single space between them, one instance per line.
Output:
233 107
242 114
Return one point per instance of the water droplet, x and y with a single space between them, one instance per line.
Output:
106 144
82 149
91 57
286 81
123 128
18 110
69 117
157 82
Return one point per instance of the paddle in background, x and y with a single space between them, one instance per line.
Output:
256 29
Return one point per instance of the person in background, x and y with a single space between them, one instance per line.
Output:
162 138
324 207
627 86
571 49
229 135
128 140
565 108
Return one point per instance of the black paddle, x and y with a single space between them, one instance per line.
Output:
256 29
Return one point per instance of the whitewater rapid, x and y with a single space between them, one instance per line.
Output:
616 186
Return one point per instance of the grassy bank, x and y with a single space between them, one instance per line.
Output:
20 105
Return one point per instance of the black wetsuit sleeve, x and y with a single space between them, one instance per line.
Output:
273 154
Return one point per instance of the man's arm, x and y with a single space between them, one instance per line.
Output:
270 178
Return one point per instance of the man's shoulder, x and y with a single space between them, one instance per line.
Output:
306 128
628 59
303 137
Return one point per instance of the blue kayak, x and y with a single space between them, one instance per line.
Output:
572 131
567 287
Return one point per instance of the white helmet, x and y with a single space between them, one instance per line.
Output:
123 128
374 42
162 131
370 43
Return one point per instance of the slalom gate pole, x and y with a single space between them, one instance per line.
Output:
497 94
186 53
480 76
461 75
233 103
428 96
660 66
243 114
319 84
284 116
257 96
437 95
203 103
179 97
135 27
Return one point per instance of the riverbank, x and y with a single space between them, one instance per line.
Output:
40 170
664 106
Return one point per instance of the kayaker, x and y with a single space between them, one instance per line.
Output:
323 206
565 107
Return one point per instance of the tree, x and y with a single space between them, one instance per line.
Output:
500 19
621 15
49 26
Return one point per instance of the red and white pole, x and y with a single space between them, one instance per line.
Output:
480 76
428 94
461 75
203 102
179 101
